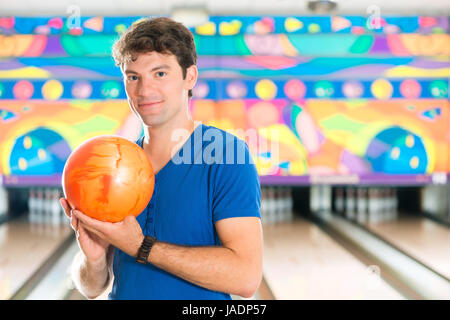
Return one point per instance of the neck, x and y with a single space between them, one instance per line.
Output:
160 140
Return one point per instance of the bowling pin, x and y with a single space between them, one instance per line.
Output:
388 204
380 204
275 205
50 223
271 206
48 206
285 204
281 205
320 199
395 204
371 205
55 208
314 198
289 204
33 211
339 200
374 205
39 202
350 203
263 205
361 205
32 206
279 209
326 198
3 201
37 226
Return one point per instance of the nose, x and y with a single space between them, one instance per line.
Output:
146 88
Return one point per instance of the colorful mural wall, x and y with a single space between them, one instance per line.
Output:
344 97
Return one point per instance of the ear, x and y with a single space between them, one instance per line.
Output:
191 77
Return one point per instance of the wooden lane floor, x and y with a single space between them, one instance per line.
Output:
24 248
421 238
302 262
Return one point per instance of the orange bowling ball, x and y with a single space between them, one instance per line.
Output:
108 178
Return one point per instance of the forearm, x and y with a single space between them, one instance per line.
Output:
90 278
216 268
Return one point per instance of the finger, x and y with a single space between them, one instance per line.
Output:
84 228
65 206
101 226
74 223
81 231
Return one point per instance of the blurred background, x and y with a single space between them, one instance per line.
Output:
348 100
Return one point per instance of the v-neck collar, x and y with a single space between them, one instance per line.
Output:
141 142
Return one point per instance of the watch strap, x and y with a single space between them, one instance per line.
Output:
145 248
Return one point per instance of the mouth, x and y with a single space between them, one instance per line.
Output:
147 105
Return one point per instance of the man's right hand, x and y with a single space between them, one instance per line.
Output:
93 247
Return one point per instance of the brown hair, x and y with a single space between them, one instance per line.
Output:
162 35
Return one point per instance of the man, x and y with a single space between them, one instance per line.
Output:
200 236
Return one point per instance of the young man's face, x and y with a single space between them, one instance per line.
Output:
155 87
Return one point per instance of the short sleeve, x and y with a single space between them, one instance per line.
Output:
237 191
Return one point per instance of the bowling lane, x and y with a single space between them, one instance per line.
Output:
302 262
419 237
24 247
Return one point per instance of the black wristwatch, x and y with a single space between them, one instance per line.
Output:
145 248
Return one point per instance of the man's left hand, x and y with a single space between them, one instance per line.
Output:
125 235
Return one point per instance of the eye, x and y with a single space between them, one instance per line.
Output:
160 74
132 77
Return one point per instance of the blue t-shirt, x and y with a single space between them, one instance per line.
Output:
211 177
